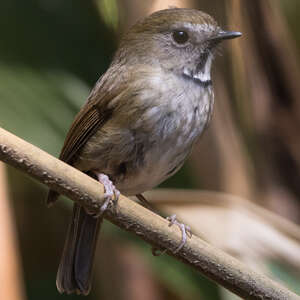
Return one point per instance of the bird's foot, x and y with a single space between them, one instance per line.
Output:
110 191
111 194
185 230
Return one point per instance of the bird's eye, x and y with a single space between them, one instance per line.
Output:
180 37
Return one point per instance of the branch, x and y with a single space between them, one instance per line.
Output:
211 262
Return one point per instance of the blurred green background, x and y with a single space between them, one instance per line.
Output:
51 54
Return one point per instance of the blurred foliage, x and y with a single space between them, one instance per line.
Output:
39 105
51 53
109 12
56 34
291 9
284 274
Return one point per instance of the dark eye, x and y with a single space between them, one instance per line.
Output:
180 37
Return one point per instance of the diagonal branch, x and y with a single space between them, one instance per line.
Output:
132 217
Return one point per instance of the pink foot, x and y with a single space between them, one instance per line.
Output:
186 231
111 194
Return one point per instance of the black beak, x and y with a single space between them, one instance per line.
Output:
226 35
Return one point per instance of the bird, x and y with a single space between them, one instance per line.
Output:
140 122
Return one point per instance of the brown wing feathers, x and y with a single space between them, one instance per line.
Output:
85 124
87 121
82 128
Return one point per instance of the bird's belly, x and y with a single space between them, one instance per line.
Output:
157 167
171 148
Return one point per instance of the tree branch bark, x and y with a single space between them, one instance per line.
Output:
211 262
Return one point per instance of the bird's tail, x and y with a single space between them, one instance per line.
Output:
75 269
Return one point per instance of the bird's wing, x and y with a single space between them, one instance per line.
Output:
87 121
90 118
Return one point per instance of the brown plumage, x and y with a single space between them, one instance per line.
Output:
140 120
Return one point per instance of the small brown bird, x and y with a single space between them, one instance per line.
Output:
140 121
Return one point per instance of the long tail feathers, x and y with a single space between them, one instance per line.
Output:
75 269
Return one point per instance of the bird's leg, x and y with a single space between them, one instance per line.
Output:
110 191
185 230
111 194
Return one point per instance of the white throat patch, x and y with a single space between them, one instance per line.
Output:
204 74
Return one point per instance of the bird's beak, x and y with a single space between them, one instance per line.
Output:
226 35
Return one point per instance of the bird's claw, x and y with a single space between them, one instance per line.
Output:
111 195
185 230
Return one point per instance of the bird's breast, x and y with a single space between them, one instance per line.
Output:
173 125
